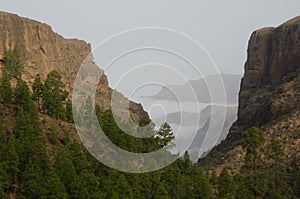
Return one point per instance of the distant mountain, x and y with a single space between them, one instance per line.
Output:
213 125
209 134
185 118
201 90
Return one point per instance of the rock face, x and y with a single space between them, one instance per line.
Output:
269 88
273 55
42 51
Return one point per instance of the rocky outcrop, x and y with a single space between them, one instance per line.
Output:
273 56
42 51
269 89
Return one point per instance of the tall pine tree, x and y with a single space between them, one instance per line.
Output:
5 87
37 89
54 95
13 63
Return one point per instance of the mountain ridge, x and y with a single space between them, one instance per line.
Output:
203 93
269 91
42 51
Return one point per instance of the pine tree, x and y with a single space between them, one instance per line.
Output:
278 186
253 171
10 163
33 183
146 128
30 141
54 95
122 187
172 176
13 63
162 192
22 96
65 168
198 184
56 189
21 124
78 188
79 157
2 132
297 184
3 178
165 136
86 186
27 123
186 160
243 188
226 185
37 88
5 87
69 112
213 178
32 145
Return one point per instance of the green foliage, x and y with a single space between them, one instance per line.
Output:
253 169
145 121
33 183
2 132
53 135
65 168
37 89
226 186
5 87
297 184
55 188
22 96
186 160
13 63
54 95
10 163
74 173
165 136
213 179
30 141
252 140
79 157
2 182
21 124
69 113
27 123
120 138
278 186
198 183
120 188
162 192
67 137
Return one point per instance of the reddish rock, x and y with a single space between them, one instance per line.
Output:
43 50
265 94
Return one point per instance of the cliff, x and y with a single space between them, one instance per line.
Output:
43 50
269 94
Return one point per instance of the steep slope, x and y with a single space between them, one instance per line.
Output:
42 51
269 94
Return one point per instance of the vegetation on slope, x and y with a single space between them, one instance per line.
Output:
29 169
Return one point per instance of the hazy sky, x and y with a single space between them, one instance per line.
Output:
222 27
